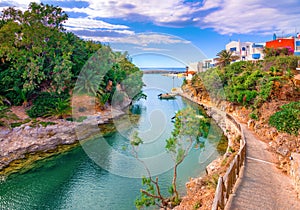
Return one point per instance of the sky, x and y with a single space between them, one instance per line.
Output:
174 33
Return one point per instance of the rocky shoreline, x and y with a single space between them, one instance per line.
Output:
17 143
199 193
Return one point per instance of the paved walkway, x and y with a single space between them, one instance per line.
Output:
262 186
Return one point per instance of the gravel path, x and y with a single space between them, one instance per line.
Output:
262 186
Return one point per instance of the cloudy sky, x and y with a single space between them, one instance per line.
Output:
171 28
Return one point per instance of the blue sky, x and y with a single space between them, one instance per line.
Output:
158 32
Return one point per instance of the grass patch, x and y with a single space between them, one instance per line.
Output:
79 119
18 124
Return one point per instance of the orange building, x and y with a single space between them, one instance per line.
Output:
282 43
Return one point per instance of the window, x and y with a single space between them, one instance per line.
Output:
233 49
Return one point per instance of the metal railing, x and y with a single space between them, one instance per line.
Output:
227 182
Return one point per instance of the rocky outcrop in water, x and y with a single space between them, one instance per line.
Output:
29 139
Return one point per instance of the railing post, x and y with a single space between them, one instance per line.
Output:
219 195
227 182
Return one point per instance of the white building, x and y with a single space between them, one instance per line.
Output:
246 50
297 45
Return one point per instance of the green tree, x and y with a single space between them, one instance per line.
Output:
225 58
33 61
188 128
48 15
37 56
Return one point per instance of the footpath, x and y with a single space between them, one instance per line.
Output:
262 185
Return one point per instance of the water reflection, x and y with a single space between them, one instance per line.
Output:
74 181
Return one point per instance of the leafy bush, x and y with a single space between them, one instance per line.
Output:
244 97
242 87
288 119
246 83
272 52
79 119
213 82
44 102
281 63
254 115
60 110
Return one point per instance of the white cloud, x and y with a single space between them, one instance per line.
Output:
224 16
151 49
87 23
253 16
150 38
209 4
21 5
157 11
141 39
102 31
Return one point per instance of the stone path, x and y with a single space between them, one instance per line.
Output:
262 186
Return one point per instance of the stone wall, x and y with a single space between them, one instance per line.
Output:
230 130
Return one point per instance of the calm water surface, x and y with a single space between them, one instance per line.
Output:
73 181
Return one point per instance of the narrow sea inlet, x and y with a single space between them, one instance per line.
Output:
72 180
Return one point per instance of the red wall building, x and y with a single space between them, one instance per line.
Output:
281 43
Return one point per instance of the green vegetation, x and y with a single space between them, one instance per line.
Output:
46 102
6 114
41 69
189 127
17 124
246 83
225 58
252 84
287 119
79 119
35 123
272 52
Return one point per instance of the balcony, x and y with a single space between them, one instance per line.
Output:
256 56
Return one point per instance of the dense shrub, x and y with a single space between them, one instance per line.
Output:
274 52
281 63
44 102
213 82
287 119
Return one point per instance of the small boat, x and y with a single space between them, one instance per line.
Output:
166 96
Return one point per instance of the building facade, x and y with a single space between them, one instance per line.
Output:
288 42
292 43
297 45
246 50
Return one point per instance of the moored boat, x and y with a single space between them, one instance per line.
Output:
166 96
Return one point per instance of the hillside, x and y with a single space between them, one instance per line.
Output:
264 94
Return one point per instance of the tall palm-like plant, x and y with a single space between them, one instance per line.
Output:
88 82
225 58
60 110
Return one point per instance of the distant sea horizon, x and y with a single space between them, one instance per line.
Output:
164 69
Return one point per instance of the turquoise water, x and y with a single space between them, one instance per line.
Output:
74 181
